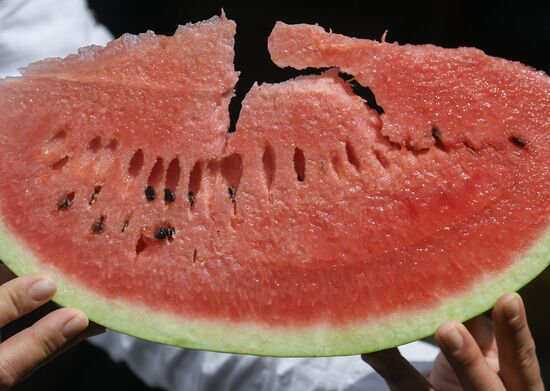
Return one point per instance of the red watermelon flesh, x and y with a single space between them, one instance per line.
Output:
320 227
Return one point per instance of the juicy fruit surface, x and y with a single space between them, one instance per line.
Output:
316 211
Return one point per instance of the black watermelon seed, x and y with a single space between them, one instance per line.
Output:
161 233
169 195
191 198
95 194
150 193
232 193
64 204
98 226
436 134
164 232
517 141
125 225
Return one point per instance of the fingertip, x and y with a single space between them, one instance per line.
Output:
42 289
70 321
508 307
450 336
76 323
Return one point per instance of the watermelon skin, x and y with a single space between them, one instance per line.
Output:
355 169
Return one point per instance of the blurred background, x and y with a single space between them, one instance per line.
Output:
510 29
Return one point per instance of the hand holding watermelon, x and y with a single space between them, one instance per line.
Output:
479 355
58 330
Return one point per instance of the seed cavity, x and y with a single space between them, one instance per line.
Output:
165 233
95 194
232 170
141 245
195 255
59 137
173 173
195 178
60 163
99 225
352 156
268 162
517 142
156 173
150 193
299 164
66 202
55 142
113 145
136 163
94 145
336 164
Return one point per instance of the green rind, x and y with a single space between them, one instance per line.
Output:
320 340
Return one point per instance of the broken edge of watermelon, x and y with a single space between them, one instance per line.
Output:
320 340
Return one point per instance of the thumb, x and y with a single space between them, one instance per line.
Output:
25 351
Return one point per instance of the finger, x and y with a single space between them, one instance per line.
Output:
5 274
90 331
519 366
22 353
482 330
21 295
397 371
466 359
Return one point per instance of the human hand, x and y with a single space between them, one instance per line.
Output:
483 355
55 332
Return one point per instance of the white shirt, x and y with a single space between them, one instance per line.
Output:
34 29
31 30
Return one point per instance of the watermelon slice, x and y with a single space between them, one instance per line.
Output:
319 227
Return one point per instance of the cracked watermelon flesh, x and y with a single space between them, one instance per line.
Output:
318 228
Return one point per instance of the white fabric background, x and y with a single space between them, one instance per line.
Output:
177 369
31 30
34 29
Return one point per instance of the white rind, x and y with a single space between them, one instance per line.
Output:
320 340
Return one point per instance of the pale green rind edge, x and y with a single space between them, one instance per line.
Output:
320 340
